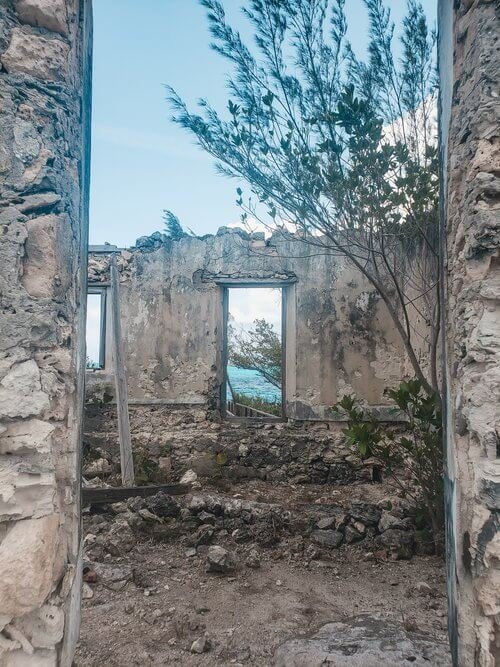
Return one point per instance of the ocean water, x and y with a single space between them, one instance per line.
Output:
252 383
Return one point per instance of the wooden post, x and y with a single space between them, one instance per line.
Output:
126 459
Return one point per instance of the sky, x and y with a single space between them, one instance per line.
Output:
249 303
142 163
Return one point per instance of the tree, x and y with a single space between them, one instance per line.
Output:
339 152
258 349
173 227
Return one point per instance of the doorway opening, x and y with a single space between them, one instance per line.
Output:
254 352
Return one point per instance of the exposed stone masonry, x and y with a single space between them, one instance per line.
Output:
473 327
43 176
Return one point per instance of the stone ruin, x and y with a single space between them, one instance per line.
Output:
45 82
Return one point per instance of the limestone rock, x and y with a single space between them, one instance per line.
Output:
388 521
21 392
43 627
29 564
219 560
40 658
253 559
39 201
109 574
25 437
368 640
189 477
201 645
41 260
97 467
400 542
352 534
27 489
45 59
50 14
163 505
327 538
366 513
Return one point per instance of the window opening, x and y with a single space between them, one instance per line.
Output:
96 329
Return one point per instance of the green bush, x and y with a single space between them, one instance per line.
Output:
413 456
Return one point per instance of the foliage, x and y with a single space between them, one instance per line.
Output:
339 152
413 458
173 227
258 349
90 364
271 407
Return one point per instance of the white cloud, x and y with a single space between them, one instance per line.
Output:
250 303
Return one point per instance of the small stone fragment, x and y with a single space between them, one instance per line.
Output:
201 645
253 559
423 588
87 592
189 477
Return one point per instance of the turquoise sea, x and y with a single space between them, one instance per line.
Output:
252 383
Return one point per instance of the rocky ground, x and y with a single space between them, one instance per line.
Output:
214 579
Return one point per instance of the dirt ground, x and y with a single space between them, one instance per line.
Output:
172 602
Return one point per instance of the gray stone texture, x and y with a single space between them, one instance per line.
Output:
43 174
470 144
367 640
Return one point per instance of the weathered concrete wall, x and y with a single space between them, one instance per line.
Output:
339 336
469 64
44 69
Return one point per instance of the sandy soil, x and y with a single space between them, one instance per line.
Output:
173 601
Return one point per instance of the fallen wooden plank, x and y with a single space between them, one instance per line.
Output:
103 496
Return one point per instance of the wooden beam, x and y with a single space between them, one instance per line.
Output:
126 458
107 495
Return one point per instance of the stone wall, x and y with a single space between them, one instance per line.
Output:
339 336
169 440
469 64
44 69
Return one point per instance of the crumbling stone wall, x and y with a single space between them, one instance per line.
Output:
469 64
44 109
339 336
169 440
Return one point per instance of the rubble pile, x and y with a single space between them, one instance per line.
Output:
175 440
202 520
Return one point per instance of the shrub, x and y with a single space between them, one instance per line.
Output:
412 457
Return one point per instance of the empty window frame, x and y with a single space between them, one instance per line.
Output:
253 386
96 328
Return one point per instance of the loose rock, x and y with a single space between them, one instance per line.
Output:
327 538
219 560
201 645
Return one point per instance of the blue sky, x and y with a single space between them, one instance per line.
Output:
141 162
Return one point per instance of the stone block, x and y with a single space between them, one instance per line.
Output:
42 58
21 392
41 265
27 490
50 14
26 437
30 565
